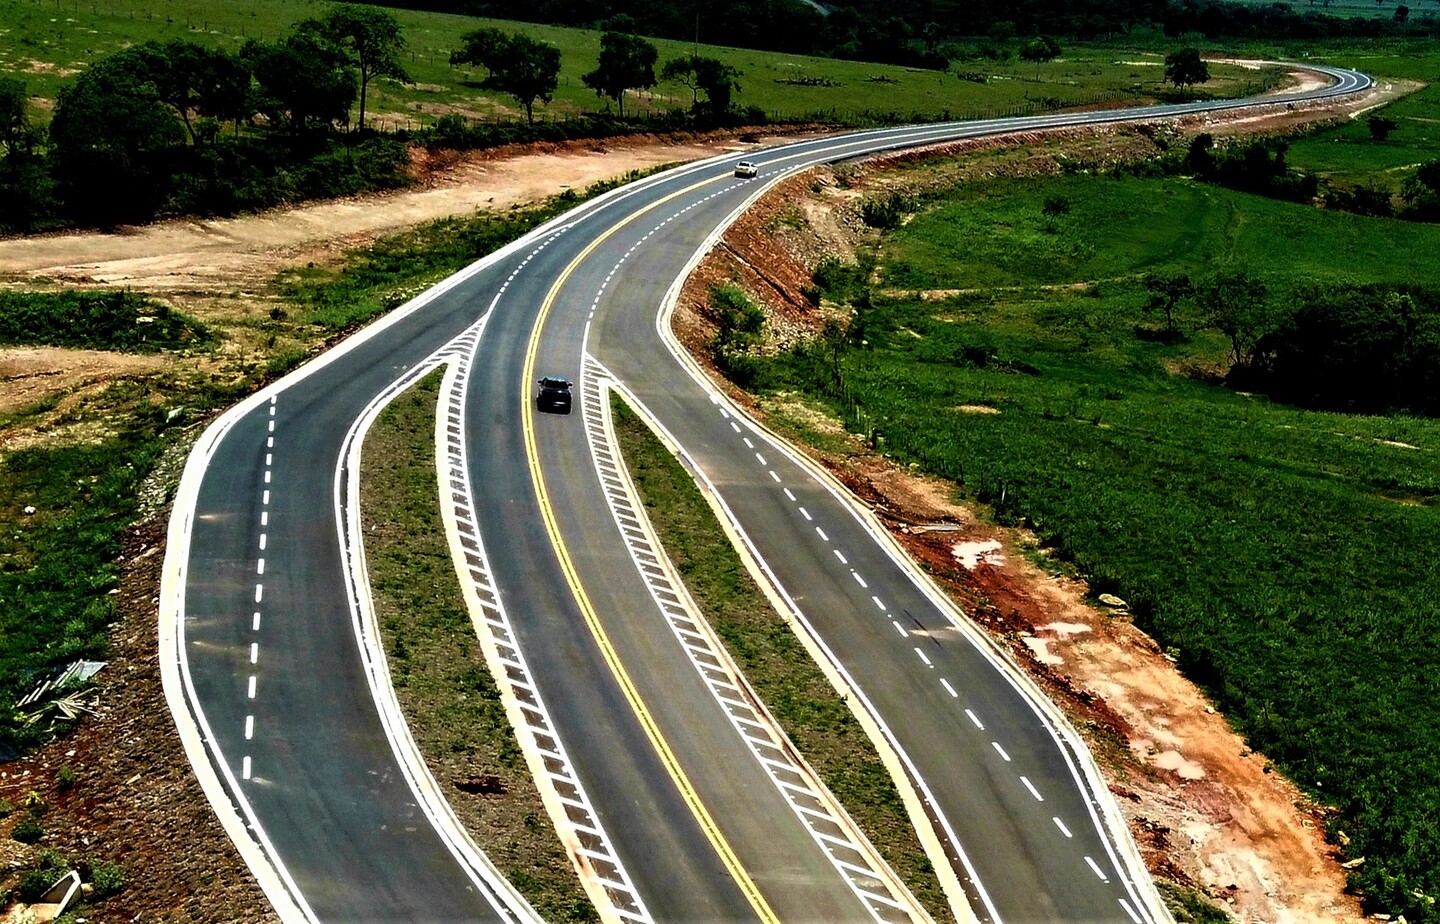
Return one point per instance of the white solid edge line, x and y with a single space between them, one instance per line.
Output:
502 896
1112 827
217 780
794 763
176 684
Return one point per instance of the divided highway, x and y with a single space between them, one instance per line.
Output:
650 753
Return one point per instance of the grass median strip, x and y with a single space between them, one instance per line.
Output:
450 701
773 658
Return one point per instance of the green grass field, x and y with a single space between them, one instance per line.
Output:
43 42
1287 555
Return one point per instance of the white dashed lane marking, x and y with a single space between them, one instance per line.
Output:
790 494
899 628
976 719
1001 751
1097 870
948 689
878 602
858 579
805 513
821 533
264 540
774 476
1061 825
841 555
921 655
1033 791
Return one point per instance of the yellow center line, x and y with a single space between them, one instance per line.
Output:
647 721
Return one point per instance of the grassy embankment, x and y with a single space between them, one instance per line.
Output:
772 658
42 43
1286 557
451 702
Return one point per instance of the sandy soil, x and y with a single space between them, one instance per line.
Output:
227 253
28 374
1203 808
1206 811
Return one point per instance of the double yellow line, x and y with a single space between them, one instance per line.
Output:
632 695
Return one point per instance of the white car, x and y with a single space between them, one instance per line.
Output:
746 169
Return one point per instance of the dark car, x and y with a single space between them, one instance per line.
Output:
554 395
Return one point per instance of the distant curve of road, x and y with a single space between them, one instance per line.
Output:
683 811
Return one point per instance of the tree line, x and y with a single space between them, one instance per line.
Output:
179 128
932 33
1364 349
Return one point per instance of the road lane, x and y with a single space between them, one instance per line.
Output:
297 763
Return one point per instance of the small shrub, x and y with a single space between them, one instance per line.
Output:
34 804
28 832
107 878
886 212
1380 127
66 777
1055 206
6 808
35 883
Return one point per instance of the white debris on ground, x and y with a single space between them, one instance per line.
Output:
972 554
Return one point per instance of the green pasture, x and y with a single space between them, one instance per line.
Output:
1286 557
44 42
1350 154
995 234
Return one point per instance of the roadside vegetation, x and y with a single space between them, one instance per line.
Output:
775 662
58 560
140 111
116 320
1279 548
451 703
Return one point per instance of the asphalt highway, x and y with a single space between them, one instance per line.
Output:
274 676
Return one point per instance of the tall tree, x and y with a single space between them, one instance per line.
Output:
202 82
24 186
14 114
305 81
1040 50
110 138
717 80
1185 68
627 62
1166 292
525 68
1237 305
372 38
482 48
